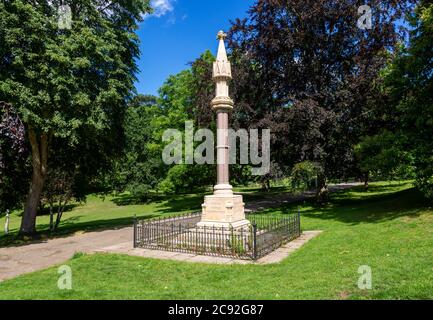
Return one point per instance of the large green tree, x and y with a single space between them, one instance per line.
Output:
384 156
13 159
409 86
142 170
68 84
306 71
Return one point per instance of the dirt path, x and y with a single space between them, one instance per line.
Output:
15 261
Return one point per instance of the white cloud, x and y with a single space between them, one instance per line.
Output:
162 7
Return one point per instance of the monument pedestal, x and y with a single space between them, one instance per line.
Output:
224 211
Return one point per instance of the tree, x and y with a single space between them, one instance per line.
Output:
384 156
306 71
409 85
140 168
186 178
68 178
305 174
13 159
61 187
203 87
69 84
178 102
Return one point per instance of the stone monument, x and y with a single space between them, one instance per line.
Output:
223 208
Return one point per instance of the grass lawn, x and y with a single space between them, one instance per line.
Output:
389 228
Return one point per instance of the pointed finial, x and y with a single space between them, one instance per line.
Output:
221 35
222 68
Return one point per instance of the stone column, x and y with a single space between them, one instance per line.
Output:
223 208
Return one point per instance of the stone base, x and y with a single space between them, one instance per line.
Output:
237 225
224 211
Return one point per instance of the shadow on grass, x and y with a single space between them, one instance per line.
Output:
46 210
127 199
369 209
190 201
373 191
179 204
185 203
68 208
123 200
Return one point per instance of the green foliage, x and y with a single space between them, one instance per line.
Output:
186 178
304 175
14 156
140 167
141 170
70 87
78 255
383 156
67 81
63 186
140 191
409 83
308 77
236 243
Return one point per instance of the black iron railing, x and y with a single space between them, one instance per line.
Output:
181 234
272 232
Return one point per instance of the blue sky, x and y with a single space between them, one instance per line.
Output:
178 32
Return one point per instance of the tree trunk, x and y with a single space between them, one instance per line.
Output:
322 193
51 217
7 222
366 180
266 185
59 214
39 166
